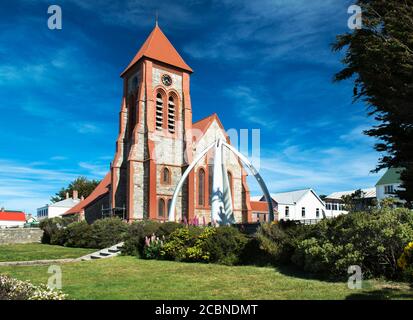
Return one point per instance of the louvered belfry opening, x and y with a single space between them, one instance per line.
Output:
159 111
171 114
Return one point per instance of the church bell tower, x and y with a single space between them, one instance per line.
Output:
151 149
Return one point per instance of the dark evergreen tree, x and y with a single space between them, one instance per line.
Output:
379 57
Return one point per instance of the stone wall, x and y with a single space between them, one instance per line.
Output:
20 235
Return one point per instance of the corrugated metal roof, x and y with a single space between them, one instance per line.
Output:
66 203
289 197
12 216
369 193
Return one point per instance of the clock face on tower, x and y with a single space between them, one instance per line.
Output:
166 80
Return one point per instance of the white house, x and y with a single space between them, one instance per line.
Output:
299 205
335 204
11 219
58 208
388 184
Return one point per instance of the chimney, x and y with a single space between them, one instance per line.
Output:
2 209
75 195
82 198
67 195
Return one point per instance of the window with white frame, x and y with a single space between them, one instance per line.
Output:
389 189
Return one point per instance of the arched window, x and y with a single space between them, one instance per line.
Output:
171 114
169 205
161 208
159 111
201 187
166 176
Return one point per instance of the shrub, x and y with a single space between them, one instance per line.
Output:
51 228
135 236
78 235
107 232
101 234
138 231
405 262
166 228
176 247
373 241
12 289
324 257
277 241
225 245
205 244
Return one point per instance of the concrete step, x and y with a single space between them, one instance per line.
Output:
103 253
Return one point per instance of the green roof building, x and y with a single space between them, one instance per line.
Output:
388 184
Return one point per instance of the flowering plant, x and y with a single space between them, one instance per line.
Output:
405 262
13 289
153 246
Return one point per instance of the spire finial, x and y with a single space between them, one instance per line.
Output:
156 18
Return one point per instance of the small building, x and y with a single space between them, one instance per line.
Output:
259 210
58 208
12 219
299 205
335 205
388 184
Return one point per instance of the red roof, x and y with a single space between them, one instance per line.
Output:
101 189
204 123
158 47
259 206
12 216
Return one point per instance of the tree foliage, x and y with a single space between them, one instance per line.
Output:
83 185
357 201
379 57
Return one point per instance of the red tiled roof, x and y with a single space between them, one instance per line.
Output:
12 216
158 47
259 206
204 123
101 189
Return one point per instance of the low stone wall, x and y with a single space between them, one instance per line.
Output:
20 235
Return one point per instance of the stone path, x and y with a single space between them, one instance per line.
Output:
101 254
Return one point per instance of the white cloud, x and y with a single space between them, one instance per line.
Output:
85 127
250 105
324 169
96 169
27 186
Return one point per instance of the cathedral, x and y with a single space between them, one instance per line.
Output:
157 141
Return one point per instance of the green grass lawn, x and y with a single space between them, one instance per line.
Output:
132 278
38 251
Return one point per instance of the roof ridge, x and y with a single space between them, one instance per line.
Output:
204 118
162 51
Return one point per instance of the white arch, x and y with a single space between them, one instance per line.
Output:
247 163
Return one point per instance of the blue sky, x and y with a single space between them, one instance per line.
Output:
259 64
